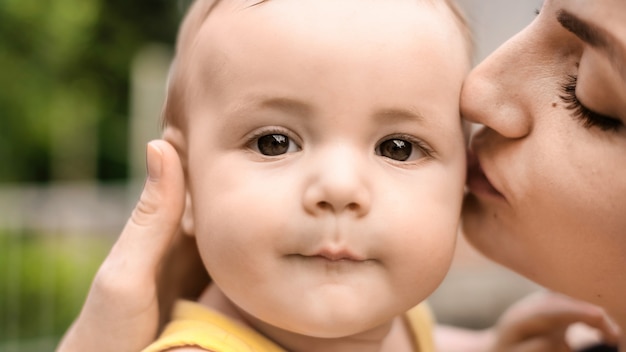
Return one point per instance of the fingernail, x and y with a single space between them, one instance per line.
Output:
154 162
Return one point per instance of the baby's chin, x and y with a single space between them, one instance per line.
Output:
326 323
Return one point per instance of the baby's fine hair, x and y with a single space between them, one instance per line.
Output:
174 107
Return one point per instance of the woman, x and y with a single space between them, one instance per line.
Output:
548 171
553 100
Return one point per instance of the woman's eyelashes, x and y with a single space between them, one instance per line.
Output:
588 117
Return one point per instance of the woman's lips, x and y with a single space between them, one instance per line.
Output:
477 181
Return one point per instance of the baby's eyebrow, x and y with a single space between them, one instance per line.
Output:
389 115
285 104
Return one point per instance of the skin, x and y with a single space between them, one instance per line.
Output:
549 201
361 235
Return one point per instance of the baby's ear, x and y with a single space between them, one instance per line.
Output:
187 222
175 136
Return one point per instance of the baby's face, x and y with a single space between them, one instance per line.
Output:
326 158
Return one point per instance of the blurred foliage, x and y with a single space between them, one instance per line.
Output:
44 280
64 73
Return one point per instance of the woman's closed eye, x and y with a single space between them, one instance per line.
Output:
401 148
588 117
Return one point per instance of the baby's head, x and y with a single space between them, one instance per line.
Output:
324 154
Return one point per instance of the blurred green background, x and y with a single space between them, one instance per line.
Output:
65 83
65 125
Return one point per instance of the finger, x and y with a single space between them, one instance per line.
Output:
564 311
121 311
549 312
595 329
155 219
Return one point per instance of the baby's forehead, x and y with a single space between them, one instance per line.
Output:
203 10
324 28
338 16
344 38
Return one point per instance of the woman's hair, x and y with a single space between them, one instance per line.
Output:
174 107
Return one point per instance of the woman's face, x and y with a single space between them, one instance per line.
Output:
547 173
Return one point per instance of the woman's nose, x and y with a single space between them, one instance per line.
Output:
494 93
338 184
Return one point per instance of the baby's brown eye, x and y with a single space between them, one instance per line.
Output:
396 149
275 144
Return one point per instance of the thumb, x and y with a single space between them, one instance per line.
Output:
155 220
121 312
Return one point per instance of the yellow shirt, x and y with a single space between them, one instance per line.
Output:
196 325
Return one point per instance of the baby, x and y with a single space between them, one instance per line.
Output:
325 163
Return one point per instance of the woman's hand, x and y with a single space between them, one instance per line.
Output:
540 322
543 322
147 268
